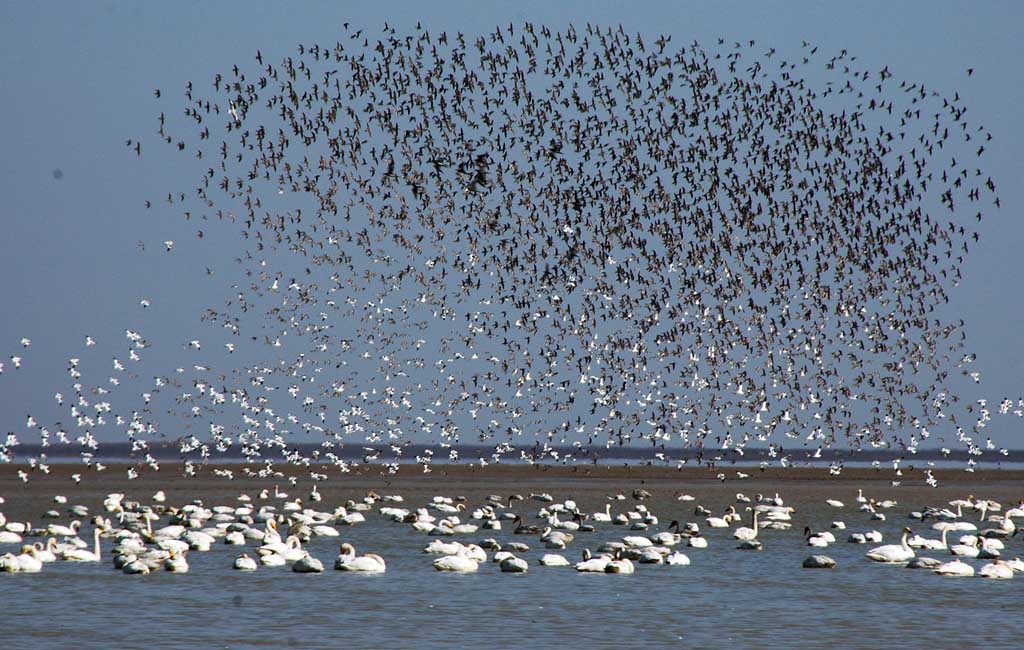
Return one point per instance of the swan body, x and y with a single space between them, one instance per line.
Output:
456 564
135 568
636 541
892 553
605 516
352 519
553 559
349 561
591 564
64 531
308 564
677 559
28 561
965 550
8 537
920 562
176 563
81 555
819 562
513 564
443 548
244 563
746 534
620 566
957 568
1016 564
47 553
272 559
9 563
997 570
648 556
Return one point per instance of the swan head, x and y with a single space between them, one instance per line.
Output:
347 549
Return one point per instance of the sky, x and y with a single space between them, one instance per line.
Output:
77 81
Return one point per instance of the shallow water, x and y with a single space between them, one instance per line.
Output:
726 597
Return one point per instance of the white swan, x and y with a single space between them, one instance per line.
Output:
308 564
9 563
819 562
636 541
291 550
270 558
325 531
443 548
605 516
28 561
820 540
997 570
514 564
8 537
592 564
176 563
64 531
920 562
955 568
348 561
244 563
723 521
47 553
1016 564
81 555
966 550
892 553
931 544
619 565
456 564
553 559
677 559
752 543
744 533
353 518
135 567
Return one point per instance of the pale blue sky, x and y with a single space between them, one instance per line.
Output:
77 79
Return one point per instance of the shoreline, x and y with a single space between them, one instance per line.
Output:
117 472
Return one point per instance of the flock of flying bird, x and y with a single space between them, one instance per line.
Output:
280 527
579 237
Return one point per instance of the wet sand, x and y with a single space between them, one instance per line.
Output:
590 485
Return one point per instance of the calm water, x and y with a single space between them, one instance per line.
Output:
726 597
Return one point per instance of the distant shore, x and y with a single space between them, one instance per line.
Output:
117 472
